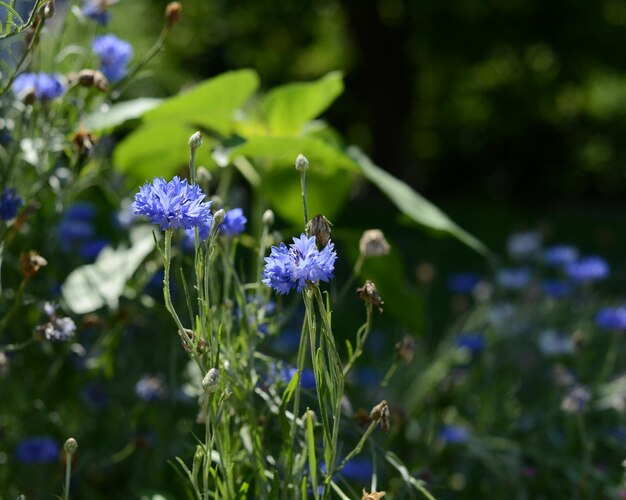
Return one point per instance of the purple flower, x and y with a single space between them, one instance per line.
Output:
10 202
555 288
462 283
473 342
37 450
453 434
560 255
513 279
357 469
98 10
586 269
234 222
298 265
76 227
43 86
172 205
612 318
114 55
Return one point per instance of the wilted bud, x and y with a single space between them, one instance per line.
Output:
210 380
191 343
302 164
49 9
380 412
31 262
218 217
373 244
90 78
195 141
319 226
84 141
268 218
369 293
172 13
405 349
374 495
70 446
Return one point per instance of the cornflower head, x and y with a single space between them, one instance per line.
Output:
298 265
612 318
234 222
10 202
114 55
98 10
560 255
41 86
585 269
38 449
173 205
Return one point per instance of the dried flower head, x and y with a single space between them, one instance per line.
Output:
369 293
374 495
405 349
191 343
89 78
31 262
84 141
380 412
319 226
172 13
373 244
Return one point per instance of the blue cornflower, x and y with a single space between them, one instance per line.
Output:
37 450
98 10
234 222
556 288
10 202
462 283
473 342
173 205
358 469
612 318
76 228
513 279
560 255
114 55
43 86
298 265
453 434
591 268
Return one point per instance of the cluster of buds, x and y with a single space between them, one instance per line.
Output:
31 262
369 293
192 343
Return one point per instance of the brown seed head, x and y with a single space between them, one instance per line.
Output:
319 226
380 412
172 13
369 293
84 141
374 244
405 348
31 262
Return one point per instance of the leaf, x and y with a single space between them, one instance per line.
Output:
158 149
411 203
310 439
210 104
120 113
288 108
93 286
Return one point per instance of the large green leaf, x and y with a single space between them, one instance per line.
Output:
93 286
411 203
120 113
282 151
210 104
288 108
157 149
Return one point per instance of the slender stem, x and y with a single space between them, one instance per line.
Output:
166 287
355 272
361 338
207 445
390 372
611 357
16 303
68 474
303 185
357 449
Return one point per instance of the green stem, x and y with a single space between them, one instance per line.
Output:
16 303
357 449
68 474
355 272
166 288
303 186
361 338
611 357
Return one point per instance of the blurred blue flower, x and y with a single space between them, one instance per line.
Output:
453 434
551 343
586 269
43 86
234 222
560 255
95 396
307 379
173 205
114 55
76 229
513 278
358 469
556 288
524 245
40 449
612 318
472 341
150 388
204 230
298 265
98 10
462 283
91 249
56 328
10 202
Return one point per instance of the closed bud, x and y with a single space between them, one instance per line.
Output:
211 380
172 13
31 262
319 226
218 217
373 244
302 164
268 218
195 141
49 9
369 293
70 446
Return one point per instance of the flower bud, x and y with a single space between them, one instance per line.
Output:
218 217
70 446
210 380
31 262
49 9
302 164
373 244
369 293
319 226
268 218
195 141
90 78
172 13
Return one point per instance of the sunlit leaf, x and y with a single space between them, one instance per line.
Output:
119 113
